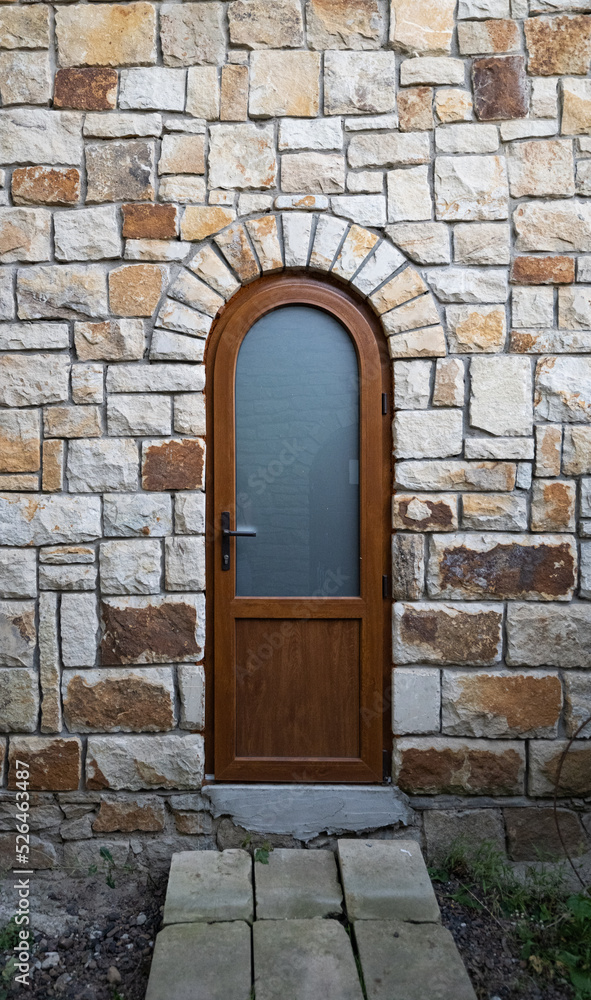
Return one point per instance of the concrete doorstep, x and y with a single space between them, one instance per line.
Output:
303 928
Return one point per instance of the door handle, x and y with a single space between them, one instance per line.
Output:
227 534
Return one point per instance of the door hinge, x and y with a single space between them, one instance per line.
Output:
384 404
385 587
386 767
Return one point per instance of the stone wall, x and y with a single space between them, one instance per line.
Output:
154 158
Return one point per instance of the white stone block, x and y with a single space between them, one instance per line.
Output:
152 88
456 284
189 513
297 230
532 306
416 700
409 195
87 234
431 69
142 514
501 395
412 384
428 433
40 136
312 133
185 563
49 520
364 209
97 466
133 414
155 378
544 97
131 566
79 630
471 188
483 8
469 138
18 573
191 679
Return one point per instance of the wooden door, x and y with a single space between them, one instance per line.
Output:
298 385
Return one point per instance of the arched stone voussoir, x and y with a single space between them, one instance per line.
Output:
317 242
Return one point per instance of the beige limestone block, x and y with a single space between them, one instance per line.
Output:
494 512
420 312
198 221
106 34
488 37
388 150
501 395
235 247
192 34
521 448
313 173
422 26
153 88
412 384
113 340
234 94
87 234
563 389
72 421
135 289
476 329
195 293
431 70
553 225
122 125
25 77
449 382
423 242
265 239
471 188
87 383
164 250
358 244
558 45
453 105
427 433
159 761
474 137
284 83
406 285
203 92
37 135
53 466
19 441
208 266
482 243
409 195
24 27
544 97
345 24
260 24
33 379
576 107
20 697
553 505
359 83
328 236
49 668
541 168
548 449
425 343
297 232
176 316
182 154
182 189
577 451
242 156
25 234
415 109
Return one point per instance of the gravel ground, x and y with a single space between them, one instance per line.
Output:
491 954
93 942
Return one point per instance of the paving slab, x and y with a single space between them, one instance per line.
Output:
297 885
202 962
386 879
304 960
403 961
209 885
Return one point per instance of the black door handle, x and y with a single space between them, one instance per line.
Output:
227 534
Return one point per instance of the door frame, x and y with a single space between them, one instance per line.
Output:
310 288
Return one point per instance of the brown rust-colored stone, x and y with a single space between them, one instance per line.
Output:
173 465
149 222
424 513
553 506
86 89
129 815
573 762
459 638
500 87
543 270
96 701
55 763
508 570
166 631
532 833
454 767
558 45
526 702
46 185
234 94
415 109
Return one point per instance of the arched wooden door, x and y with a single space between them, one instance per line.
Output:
298 387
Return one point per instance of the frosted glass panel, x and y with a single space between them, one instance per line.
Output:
297 457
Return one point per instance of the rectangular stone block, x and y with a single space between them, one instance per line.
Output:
543 270
55 762
120 171
494 512
501 704
242 156
457 284
138 762
313 172
203 92
140 700
173 464
137 514
103 465
428 433
45 185
36 135
416 700
456 475
444 633
25 77
165 629
515 567
33 379
71 291
425 512
409 195
24 27
482 243
88 89
106 34
131 567
549 635
49 665
553 505
79 630
359 83
349 25
304 959
553 225
19 689
544 762
53 466
447 766
88 234
558 45
191 682
72 421
113 340
47 520
500 87
431 69
206 958
192 34
299 94
501 395
68 578
155 378
563 389
185 564
385 880
389 149
19 441
122 126
139 415
471 188
18 573
24 234
87 384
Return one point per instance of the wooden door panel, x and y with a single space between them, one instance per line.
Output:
297 688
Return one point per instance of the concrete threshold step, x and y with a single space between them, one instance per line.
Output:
303 944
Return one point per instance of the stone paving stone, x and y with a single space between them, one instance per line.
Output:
209 885
297 885
303 960
410 962
201 962
386 879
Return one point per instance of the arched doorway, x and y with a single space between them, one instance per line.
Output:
300 453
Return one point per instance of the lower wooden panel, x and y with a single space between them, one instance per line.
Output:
297 688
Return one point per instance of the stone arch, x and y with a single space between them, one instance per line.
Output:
269 243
